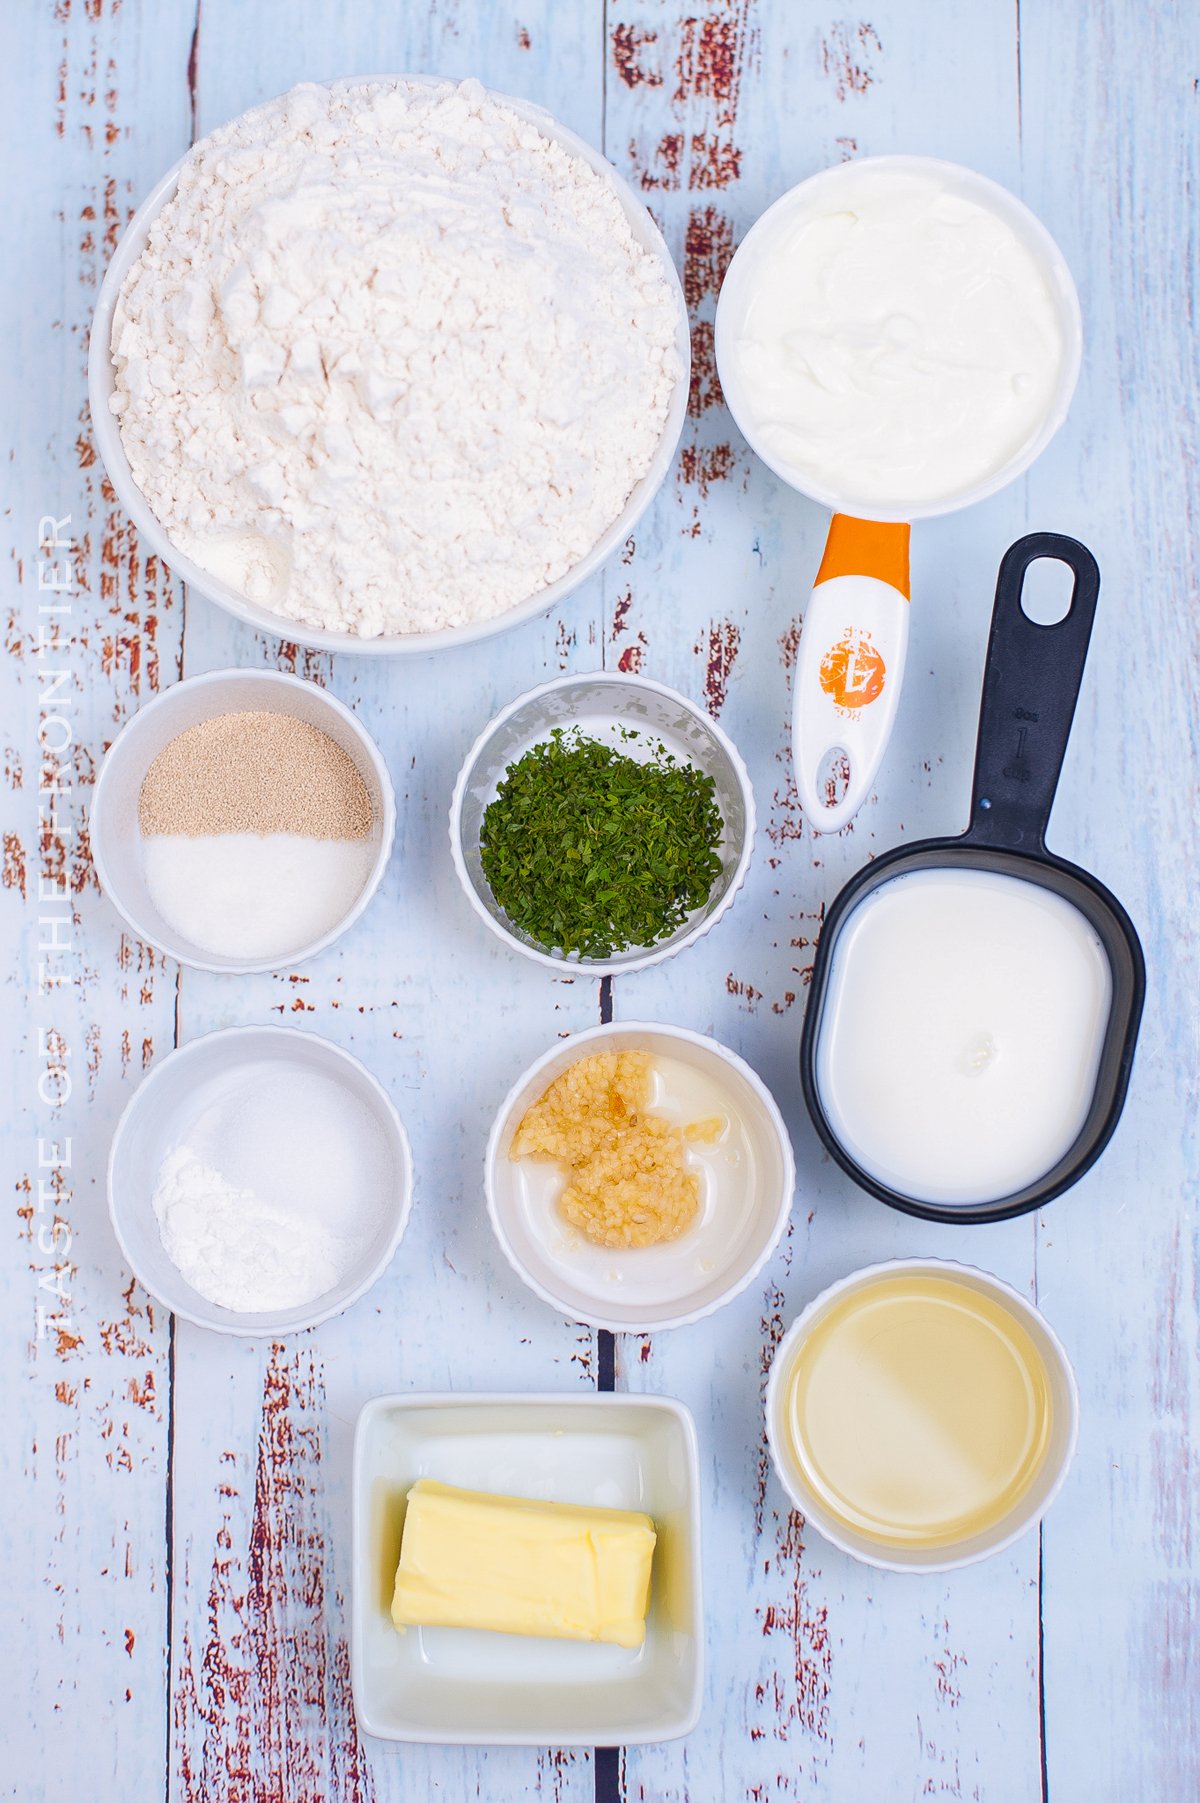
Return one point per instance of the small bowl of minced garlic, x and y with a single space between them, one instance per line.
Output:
638 1176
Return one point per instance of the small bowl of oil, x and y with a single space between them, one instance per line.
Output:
922 1414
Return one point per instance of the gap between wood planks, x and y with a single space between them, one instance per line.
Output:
606 1761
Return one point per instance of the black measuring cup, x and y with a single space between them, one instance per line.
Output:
1030 687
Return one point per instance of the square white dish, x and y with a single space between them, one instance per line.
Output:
452 1686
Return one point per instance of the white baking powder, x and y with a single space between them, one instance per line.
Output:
234 1247
391 359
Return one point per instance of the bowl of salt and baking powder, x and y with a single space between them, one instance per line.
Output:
260 1180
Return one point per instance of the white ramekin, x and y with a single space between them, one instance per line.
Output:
595 701
514 1690
149 1129
756 246
1037 1499
101 383
586 1283
116 839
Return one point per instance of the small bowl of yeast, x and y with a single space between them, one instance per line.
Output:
242 820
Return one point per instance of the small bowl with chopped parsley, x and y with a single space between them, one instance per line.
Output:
602 821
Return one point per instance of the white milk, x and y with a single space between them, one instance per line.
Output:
962 1031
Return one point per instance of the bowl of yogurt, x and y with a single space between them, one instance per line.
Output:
898 337
404 381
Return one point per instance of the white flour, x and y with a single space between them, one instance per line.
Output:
391 360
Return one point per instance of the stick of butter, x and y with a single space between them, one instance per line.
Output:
468 1560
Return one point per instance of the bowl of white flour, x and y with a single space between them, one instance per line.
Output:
389 364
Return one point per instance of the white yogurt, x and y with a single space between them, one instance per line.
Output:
961 1033
890 339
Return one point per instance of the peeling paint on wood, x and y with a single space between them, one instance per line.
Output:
205 1647
718 647
850 56
263 1707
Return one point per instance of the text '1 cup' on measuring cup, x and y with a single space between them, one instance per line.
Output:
896 338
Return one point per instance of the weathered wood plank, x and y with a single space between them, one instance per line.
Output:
825 1678
84 1352
1109 109
261 1490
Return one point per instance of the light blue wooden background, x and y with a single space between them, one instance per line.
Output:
175 1522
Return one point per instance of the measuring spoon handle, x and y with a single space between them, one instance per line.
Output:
1030 687
849 666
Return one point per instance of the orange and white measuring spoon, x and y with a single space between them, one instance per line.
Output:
850 667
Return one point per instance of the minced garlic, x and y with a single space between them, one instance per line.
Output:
628 1182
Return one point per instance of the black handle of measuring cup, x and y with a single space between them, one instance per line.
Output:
1030 687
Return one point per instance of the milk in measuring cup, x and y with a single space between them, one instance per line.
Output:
961 1034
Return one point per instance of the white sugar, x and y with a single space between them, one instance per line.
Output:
254 895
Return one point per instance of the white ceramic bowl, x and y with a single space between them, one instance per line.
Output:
745 1199
168 1106
456 1686
757 244
603 703
101 382
116 839
1064 1403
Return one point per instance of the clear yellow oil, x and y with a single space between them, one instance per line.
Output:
919 1410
